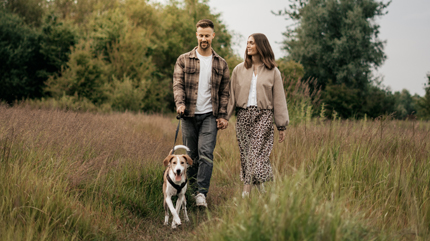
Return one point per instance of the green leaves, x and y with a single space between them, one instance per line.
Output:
19 54
337 43
109 54
424 102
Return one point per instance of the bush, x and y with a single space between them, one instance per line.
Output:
125 96
84 77
19 58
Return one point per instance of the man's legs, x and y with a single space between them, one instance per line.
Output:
190 139
206 145
199 134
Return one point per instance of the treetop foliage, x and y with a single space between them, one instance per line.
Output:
337 42
105 52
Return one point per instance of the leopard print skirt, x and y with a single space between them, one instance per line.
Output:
254 132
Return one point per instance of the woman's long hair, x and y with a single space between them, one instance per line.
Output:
263 49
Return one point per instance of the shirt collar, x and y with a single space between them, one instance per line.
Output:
194 54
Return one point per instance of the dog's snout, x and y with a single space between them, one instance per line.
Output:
178 172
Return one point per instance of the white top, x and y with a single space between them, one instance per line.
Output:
204 104
252 97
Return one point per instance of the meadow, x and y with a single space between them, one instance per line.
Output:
83 176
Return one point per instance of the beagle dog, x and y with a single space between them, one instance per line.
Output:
175 183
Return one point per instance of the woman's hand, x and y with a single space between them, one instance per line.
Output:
282 135
221 123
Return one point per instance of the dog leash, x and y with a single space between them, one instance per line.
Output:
179 117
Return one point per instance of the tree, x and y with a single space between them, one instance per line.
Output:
29 54
424 102
128 51
404 104
337 42
31 11
19 59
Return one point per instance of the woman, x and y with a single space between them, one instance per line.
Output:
257 94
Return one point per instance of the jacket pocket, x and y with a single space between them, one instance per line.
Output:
217 75
190 70
218 71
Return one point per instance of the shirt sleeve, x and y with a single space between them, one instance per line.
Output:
232 100
178 82
224 93
280 109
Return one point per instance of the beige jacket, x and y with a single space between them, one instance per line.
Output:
270 92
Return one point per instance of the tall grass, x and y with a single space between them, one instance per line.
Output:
336 180
83 176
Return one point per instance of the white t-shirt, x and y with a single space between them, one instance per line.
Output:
204 104
252 97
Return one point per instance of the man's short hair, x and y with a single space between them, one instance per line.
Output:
205 23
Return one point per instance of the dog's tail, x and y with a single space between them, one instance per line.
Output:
179 147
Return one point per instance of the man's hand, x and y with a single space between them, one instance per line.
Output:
221 123
181 109
282 135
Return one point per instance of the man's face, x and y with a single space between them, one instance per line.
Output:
204 37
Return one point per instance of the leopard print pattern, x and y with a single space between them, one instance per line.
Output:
254 132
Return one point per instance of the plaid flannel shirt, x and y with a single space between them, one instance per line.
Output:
186 83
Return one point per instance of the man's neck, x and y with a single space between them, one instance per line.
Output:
207 52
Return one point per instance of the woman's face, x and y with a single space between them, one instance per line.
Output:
251 47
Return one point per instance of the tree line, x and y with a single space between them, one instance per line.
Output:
114 55
107 54
337 43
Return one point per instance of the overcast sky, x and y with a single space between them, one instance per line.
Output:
406 28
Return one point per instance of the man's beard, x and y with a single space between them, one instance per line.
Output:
207 45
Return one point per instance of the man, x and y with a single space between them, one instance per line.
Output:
201 83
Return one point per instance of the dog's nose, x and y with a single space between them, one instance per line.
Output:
178 172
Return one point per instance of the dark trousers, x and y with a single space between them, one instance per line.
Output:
199 134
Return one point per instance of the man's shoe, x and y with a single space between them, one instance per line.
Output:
201 200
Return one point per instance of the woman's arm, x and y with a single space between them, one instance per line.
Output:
280 109
232 100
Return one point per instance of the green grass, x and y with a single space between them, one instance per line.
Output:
83 176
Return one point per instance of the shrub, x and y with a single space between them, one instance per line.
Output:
19 58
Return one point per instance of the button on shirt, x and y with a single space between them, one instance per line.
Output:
252 97
204 104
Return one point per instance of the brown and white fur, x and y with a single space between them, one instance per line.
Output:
176 168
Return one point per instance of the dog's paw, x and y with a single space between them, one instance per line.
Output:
186 219
177 221
166 223
175 224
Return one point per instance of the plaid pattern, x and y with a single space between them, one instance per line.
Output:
186 83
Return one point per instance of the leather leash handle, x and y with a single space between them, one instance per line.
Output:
180 116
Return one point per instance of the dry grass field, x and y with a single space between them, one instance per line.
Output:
83 176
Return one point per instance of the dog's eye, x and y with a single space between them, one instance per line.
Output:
174 162
182 162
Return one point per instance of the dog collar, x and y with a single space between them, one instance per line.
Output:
176 186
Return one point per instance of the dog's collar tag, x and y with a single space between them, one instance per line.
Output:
176 186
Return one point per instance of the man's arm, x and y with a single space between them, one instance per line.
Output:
224 93
179 85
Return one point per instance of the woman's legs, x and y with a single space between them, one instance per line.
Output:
255 137
246 190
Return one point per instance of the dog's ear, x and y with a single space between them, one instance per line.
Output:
189 160
167 160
